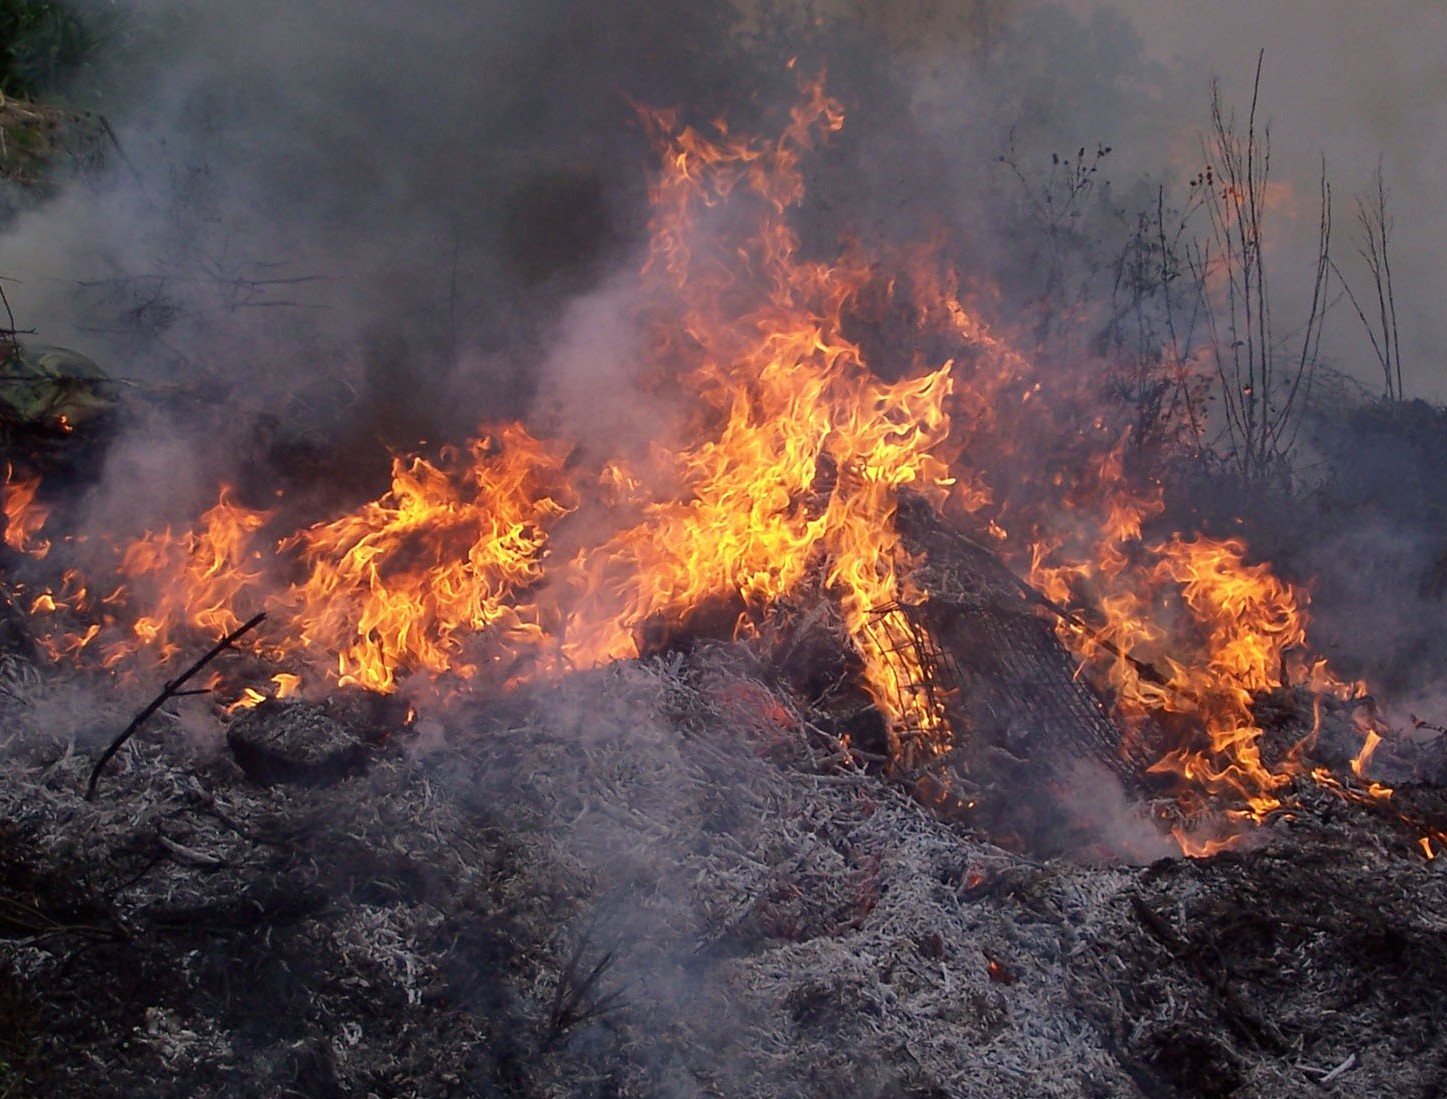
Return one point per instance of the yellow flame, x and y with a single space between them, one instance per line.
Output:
24 516
511 556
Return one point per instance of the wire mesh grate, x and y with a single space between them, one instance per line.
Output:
922 677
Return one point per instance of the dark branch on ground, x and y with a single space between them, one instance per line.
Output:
171 690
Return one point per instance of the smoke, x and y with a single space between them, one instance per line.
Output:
590 385
1118 828
1356 85
316 211
327 208
336 228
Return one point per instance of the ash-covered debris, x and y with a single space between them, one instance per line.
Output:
1293 719
1297 722
1320 948
663 878
313 743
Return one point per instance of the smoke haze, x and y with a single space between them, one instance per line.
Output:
392 208
1349 82
336 229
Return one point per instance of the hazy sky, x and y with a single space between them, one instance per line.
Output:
1350 80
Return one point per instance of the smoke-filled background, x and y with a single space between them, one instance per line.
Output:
327 230
1357 85
438 181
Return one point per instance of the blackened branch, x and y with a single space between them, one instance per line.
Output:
172 689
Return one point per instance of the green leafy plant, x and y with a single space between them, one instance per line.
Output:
42 43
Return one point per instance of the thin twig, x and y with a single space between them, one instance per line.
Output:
9 314
116 144
575 1000
172 689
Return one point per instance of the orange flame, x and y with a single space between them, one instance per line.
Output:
24 517
449 552
504 556
1188 631
200 576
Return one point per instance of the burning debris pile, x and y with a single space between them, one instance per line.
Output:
550 766
783 486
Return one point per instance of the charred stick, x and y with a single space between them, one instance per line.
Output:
1239 1015
116 143
1147 670
9 313
189 856
8 334
30 921
575 999
172 689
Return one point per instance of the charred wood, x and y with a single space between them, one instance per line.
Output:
171 690
1023 719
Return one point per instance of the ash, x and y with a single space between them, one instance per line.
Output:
661 879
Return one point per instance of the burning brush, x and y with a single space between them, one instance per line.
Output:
506 560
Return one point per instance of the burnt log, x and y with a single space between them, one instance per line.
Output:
1029 731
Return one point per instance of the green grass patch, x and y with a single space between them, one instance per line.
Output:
42 45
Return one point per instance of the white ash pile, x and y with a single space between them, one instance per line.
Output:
660 879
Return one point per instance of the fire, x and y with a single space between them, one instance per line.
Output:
811 449
24 516
1249 620
287 686
1189 634
201 576
249 700
1363 757
448 553
507 557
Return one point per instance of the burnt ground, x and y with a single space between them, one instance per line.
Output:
659 879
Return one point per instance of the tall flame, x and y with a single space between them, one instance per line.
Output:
506 554
810 450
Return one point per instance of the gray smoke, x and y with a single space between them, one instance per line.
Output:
342 226
350 224
1353 83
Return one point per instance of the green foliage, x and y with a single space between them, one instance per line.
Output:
42 44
